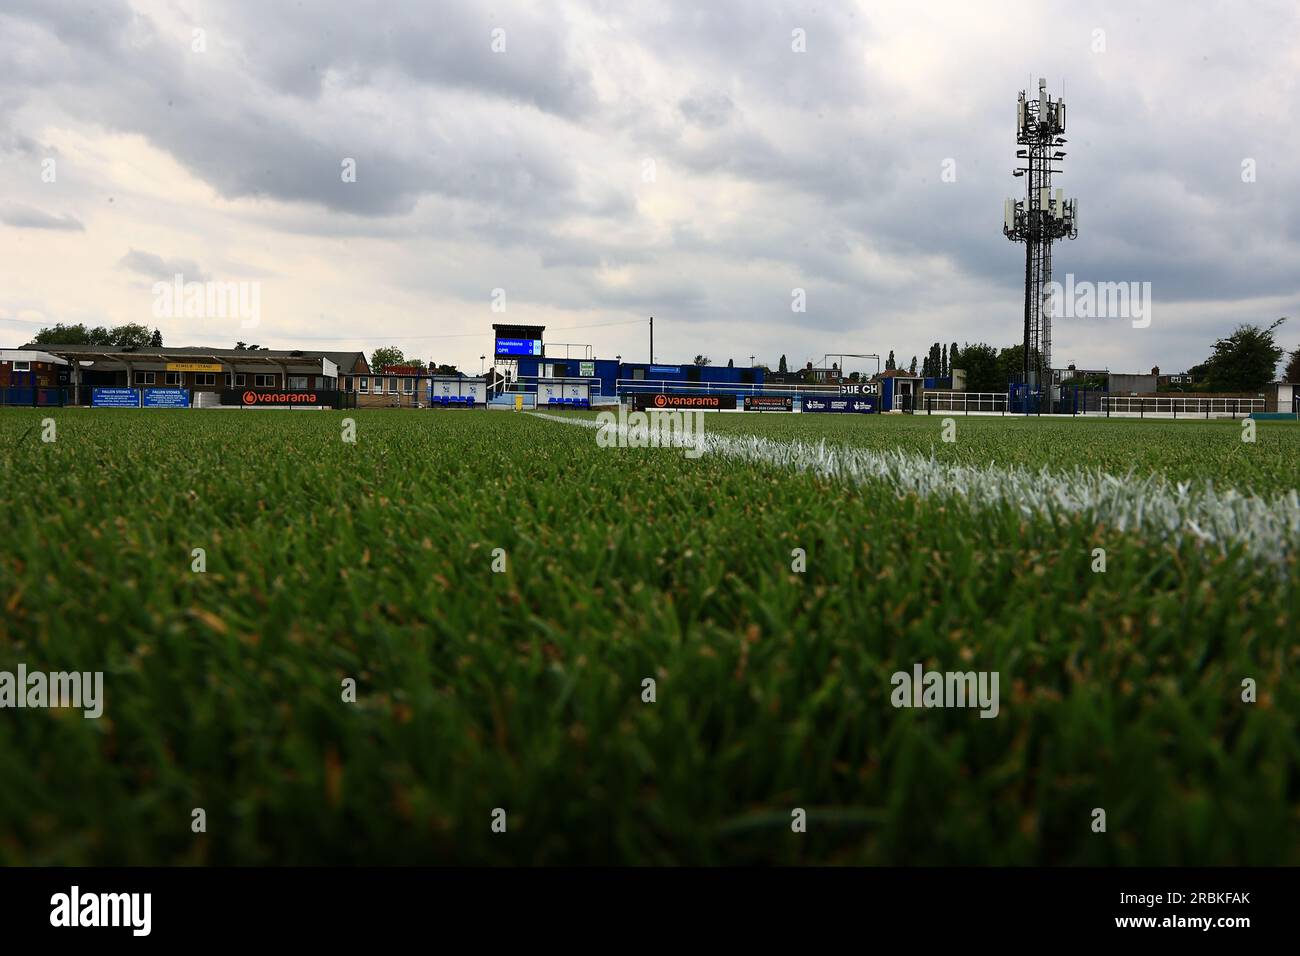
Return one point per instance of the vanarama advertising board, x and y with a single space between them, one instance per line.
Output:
705 403
267 398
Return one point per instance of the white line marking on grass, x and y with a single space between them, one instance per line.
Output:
1266 528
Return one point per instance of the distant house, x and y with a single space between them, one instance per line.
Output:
1134 384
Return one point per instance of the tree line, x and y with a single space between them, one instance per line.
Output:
1244 361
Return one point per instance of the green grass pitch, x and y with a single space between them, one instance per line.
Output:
523 690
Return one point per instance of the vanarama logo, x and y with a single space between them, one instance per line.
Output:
280 398
652 429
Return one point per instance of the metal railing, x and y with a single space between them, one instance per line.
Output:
966 402
624 386
502 392
1175 406
34 396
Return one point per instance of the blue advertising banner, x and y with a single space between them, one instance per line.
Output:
166 398
866 405
115 398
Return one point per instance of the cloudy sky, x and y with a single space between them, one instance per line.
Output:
602 162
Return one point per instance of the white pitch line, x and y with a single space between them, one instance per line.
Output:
1267 528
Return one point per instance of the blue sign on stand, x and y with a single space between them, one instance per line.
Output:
115 398
166 398
866 405
519 347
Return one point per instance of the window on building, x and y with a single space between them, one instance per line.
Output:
347 383
392 386
173 378
408 385
297 381
144 378
265 380
205 378
363 384
22 366
239 379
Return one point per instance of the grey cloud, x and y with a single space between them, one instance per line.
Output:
26 217
709 110
155 267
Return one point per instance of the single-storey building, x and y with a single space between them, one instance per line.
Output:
31 377
205 372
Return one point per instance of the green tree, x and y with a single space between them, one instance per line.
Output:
731 363
133 335
1292 373
912 370
130 335
60 334
781 366
1012 364
889 362
386 355
702 360
156 341
983 370
952 357
1246 360
943 363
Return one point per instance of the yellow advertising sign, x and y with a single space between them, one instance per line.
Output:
193 367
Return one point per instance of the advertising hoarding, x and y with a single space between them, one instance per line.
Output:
865 405
769 403
115 398
642 403
166 398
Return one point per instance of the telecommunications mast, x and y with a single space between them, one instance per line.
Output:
1039 220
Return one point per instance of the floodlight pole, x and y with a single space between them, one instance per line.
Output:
1039 220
